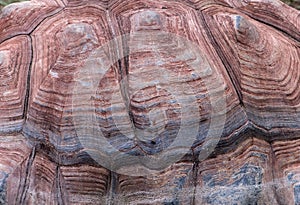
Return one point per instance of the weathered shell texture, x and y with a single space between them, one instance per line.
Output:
239 55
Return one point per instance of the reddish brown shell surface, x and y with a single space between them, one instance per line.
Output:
204 96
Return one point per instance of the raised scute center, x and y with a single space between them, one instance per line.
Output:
77 38
148 20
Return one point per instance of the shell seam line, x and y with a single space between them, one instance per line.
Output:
223 59
27 176
272 26
28 86
26 101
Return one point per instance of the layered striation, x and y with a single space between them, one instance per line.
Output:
39 180
247 180
15 58
146 102
14 150
270 13
55 64
173 185
287 167
264 66
173 73
24 17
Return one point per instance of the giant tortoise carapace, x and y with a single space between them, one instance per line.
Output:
150 102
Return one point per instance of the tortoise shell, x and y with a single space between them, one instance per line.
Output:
149 102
